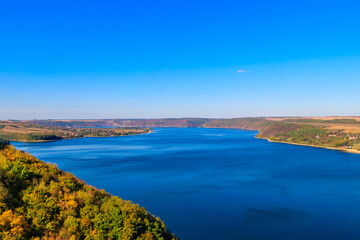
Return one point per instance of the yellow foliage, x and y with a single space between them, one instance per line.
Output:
12 226
39 201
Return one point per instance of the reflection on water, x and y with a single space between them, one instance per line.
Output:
221 183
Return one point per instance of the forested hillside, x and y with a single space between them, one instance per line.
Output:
39 201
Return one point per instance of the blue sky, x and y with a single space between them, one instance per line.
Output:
147 59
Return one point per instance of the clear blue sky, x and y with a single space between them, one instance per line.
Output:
146 59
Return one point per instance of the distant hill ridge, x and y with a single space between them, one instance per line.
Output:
246 123
341 133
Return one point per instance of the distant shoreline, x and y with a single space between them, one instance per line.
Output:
41 141
308 145
335 133
150 131
54 140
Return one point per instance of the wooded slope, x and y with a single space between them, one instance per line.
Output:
39 201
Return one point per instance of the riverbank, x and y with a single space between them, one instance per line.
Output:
40 141
339 133
26 132
308 145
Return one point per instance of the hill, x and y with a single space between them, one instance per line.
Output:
160 122
39 201
24 131
242 123
335 133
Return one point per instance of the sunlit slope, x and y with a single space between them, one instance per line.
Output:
39 201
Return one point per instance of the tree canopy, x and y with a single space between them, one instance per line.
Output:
39 201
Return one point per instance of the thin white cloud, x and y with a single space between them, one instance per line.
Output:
242 71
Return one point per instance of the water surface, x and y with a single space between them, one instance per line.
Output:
221 183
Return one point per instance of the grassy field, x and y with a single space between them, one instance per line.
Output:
341 133
23 131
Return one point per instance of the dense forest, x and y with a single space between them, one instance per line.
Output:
39 201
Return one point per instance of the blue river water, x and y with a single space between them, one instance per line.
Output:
221 183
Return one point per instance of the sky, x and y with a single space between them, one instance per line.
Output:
164 59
